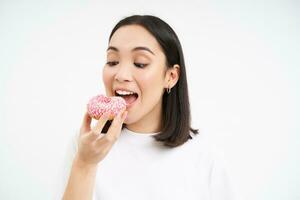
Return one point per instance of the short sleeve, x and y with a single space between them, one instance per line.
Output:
221 184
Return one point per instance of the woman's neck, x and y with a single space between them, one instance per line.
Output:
150 123
138 128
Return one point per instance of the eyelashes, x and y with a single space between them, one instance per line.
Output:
139 65
112 63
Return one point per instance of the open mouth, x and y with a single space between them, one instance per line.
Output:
129 97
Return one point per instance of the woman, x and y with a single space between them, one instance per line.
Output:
149 151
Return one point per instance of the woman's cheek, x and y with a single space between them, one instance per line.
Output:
151 90
107 80
147 79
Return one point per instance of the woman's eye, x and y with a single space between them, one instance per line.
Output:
140 65
112 63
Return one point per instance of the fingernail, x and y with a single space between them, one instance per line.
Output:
122 111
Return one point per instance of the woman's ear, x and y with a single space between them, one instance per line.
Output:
172 76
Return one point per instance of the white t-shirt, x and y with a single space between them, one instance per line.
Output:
140 168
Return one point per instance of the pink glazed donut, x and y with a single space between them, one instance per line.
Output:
100 104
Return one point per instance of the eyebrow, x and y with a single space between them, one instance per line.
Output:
134 49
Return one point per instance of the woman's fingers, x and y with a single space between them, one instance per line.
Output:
86 123
97 129
94 146
115 128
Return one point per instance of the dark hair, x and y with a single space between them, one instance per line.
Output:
176 108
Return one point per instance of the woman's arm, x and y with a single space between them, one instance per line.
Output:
92 148
81 181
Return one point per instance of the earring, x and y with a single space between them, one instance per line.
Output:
168 90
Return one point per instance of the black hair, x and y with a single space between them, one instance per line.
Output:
176 115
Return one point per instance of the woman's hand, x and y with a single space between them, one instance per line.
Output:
93 146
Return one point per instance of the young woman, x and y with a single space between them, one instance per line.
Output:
149 151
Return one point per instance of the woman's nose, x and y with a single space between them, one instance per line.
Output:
123 74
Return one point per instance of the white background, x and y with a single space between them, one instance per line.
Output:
242 60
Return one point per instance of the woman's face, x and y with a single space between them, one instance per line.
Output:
136 63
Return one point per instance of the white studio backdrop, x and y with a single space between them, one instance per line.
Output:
242 60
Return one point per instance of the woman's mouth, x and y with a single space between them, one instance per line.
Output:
128 96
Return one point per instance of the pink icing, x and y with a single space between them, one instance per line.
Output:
100 104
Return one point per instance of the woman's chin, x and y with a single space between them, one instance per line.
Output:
128 120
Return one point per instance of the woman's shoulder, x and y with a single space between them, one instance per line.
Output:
204 147
201 141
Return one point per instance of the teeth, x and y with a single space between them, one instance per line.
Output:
122 92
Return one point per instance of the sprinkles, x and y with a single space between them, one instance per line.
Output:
100 104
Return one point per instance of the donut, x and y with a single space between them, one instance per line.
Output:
100 104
